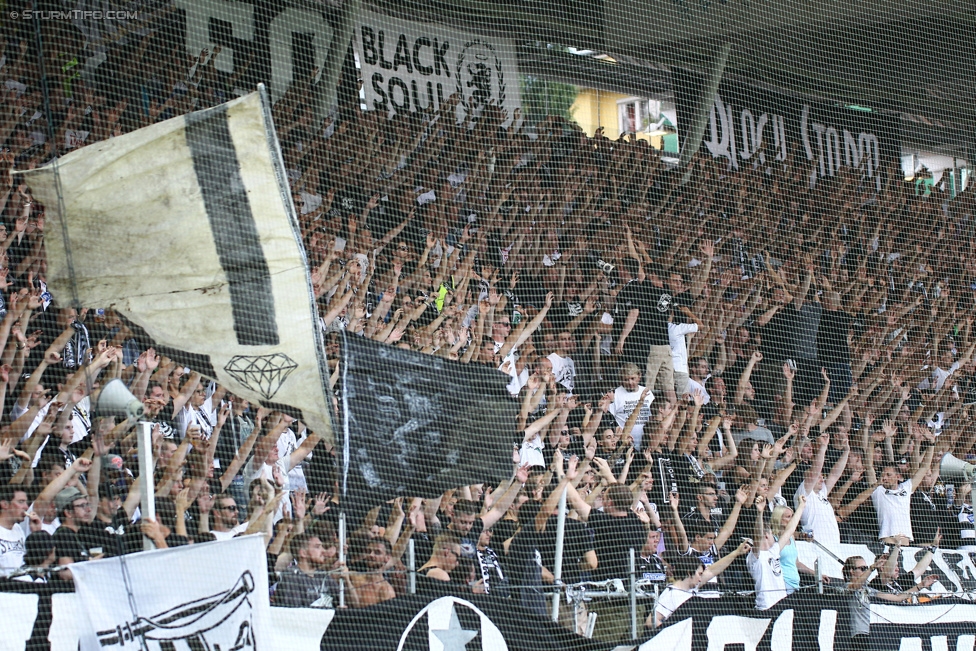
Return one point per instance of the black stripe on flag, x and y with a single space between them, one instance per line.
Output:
234 230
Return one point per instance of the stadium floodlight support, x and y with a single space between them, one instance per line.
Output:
696 128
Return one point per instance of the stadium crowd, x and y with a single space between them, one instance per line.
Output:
711 370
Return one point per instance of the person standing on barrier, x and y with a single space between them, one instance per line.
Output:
893 497
856 574
819 516
688 573
616 530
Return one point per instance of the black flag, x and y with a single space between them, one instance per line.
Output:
417 425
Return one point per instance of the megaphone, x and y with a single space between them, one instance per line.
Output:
956 470
116 400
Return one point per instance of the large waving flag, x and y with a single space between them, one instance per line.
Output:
187 229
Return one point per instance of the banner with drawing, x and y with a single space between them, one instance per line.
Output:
130 604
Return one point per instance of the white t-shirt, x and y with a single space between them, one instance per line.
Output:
205 417
893 508
623 405
818 516
679 345
670 600
564 370
227 535
768 574
81 419
531 452
13 545
288 443
49 527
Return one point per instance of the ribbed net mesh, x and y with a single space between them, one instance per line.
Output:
703 269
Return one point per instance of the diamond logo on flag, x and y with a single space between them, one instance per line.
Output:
264 373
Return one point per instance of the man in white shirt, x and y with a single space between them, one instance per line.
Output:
819 517
563 366
893 496
200 410
13 507
698 372
225 521
679 354
625 399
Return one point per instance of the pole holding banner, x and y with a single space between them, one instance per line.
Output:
702 108
147 484
633 593
558 569
329 79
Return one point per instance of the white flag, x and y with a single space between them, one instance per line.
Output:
188 230
208 596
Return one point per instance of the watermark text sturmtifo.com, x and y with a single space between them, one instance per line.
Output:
74 14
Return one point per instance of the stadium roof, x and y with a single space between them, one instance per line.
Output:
917 59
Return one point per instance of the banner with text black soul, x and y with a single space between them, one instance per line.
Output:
753 126
408 66
419 425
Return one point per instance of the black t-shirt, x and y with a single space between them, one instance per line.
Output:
832 346
469 541
525 568
716 520
578 540
494 577
652 568
684 299
689 473
928 512
613 537
108 537
654 309
779 335
862 524
71 545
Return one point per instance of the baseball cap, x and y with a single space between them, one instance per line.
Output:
66 497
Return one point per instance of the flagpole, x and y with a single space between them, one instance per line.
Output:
345 464
342 558
558 569
148 485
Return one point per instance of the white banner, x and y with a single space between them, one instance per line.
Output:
409 66
187 229
208 596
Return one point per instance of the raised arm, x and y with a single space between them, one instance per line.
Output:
816 467
790 529
723 563
725 532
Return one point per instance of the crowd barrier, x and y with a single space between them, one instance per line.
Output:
304 628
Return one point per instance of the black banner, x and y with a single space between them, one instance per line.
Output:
411 623
750 125
418 425
804 620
